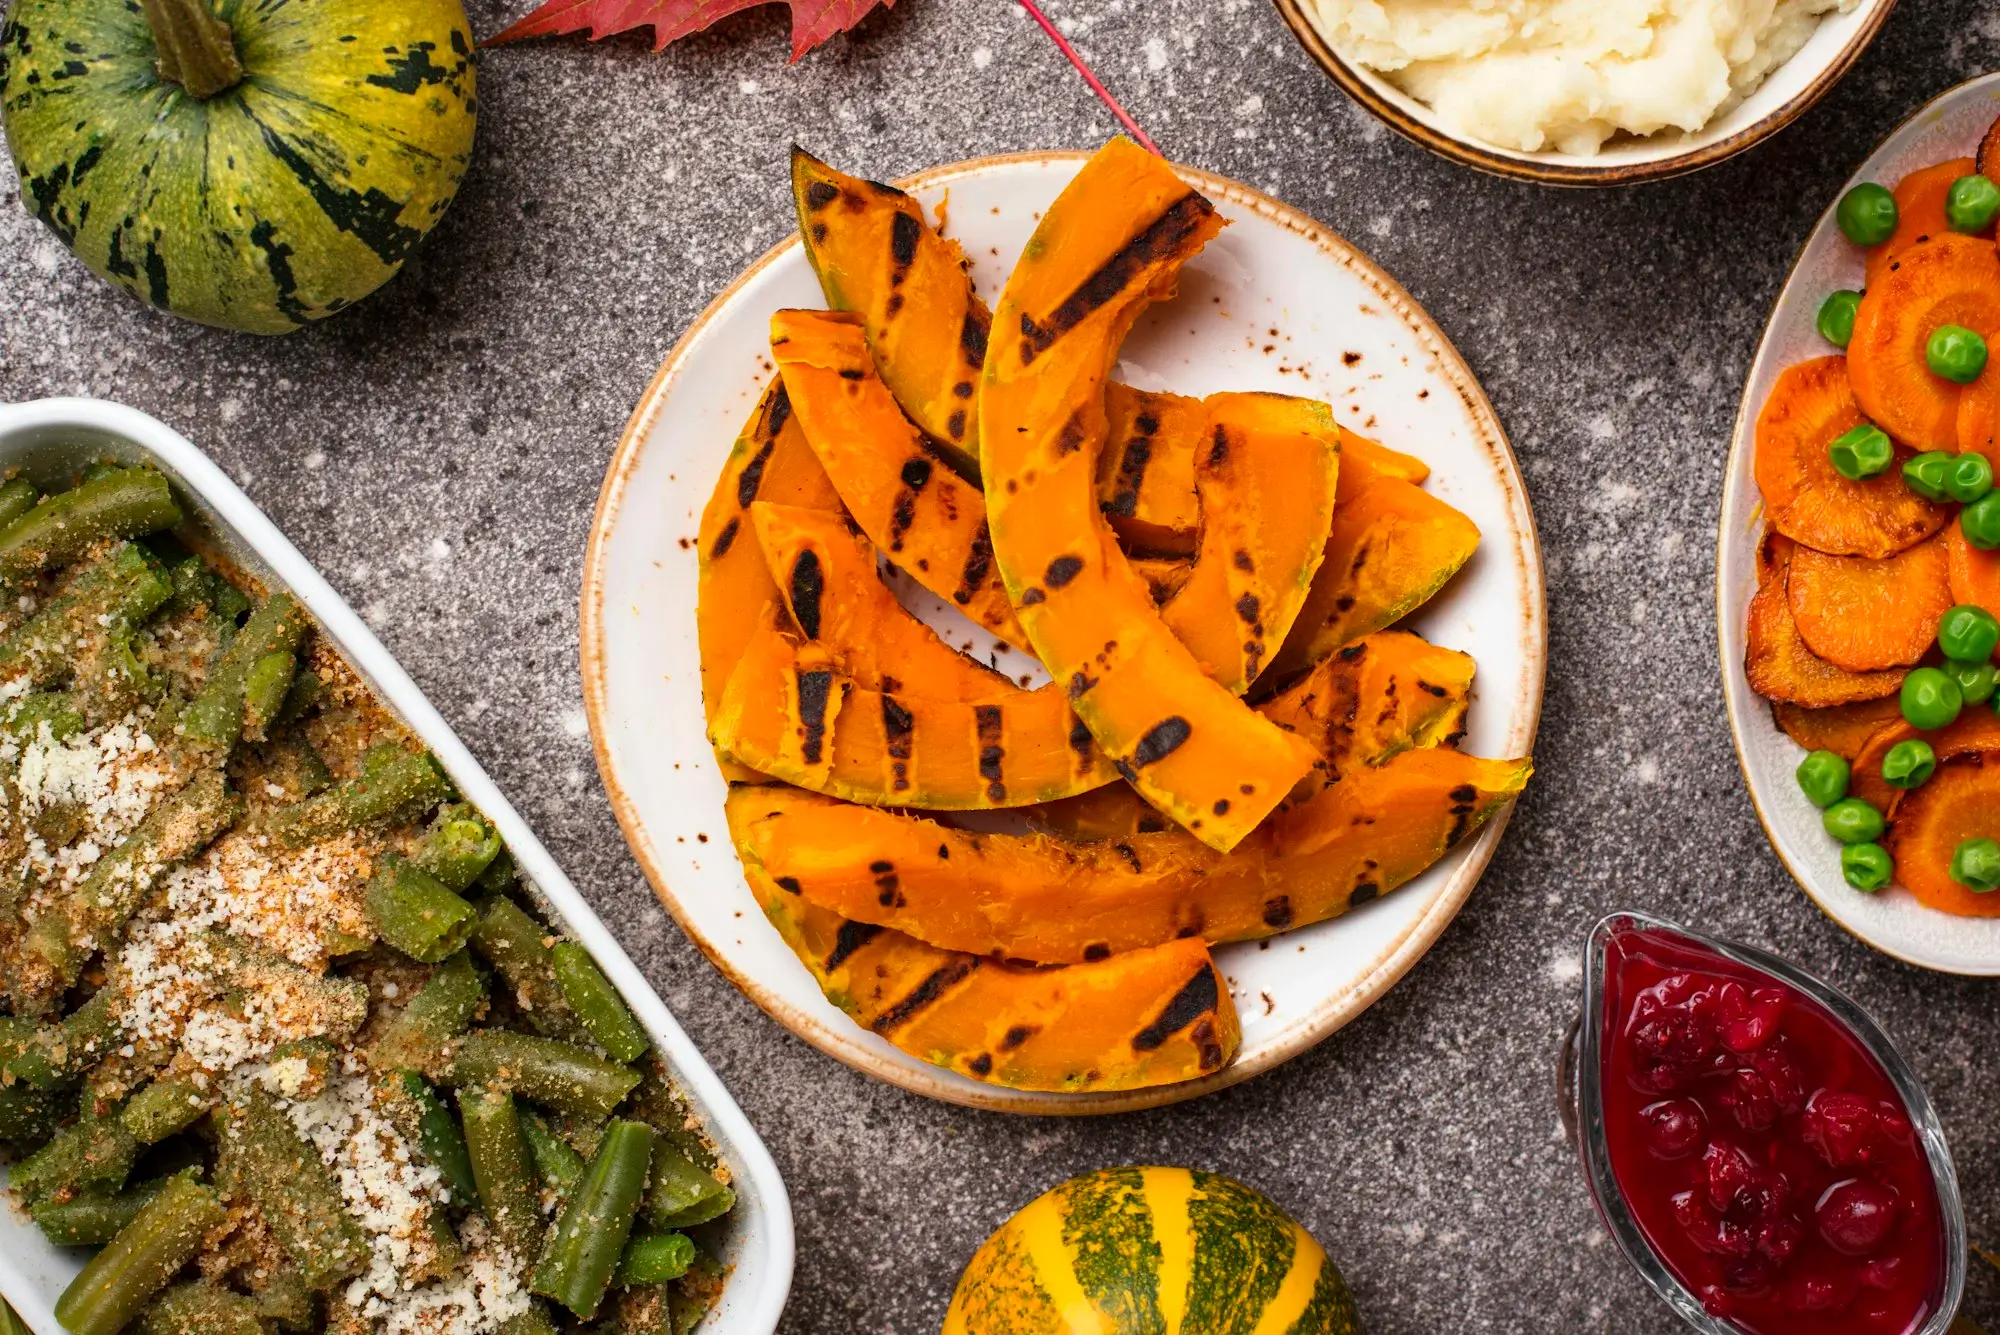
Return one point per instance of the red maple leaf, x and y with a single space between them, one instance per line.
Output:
813 21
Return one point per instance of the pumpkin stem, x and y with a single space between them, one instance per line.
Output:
197 49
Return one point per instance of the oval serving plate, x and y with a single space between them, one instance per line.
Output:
1277 303
50 439
1893 922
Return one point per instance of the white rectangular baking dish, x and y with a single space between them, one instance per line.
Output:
49 439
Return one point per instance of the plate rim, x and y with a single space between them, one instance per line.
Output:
1391 964
1738 471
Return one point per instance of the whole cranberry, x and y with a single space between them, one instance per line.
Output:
1856 1216
1778 1238
1728 1170
1753 1021
1768 1086
1675 1128
1825 1291
1676 1038
1841 1128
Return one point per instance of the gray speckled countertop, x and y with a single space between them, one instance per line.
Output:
437 452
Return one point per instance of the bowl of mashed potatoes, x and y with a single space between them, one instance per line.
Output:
1586 92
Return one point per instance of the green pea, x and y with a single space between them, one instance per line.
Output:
1927 474
1867 866
1980 522
1853 821
1909 764
1976 865
1836 317
1976 681
1971 203
1867 214
1861 452
1968 633
1956 353
1822 778
1931 700
1969 478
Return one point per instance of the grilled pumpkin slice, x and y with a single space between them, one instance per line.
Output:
1037 898
791 712
876 256
1145 472
916 511
1266 479
827 576
1390 549
1110 245
771 461
1143 1018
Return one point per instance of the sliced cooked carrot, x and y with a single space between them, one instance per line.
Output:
1920 201
1979 416
1975 575
1863 614
1976 730
1774 556
1961 801
1810 406
1842 729
1951 279
1989 153
1781 668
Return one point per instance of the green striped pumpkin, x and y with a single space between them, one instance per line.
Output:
331 137
1151 1251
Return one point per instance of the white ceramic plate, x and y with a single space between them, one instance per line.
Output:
1893 922
49 439
1836 43
1277 303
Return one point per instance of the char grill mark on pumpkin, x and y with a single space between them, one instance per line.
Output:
981 1066
369 216
955 424
990 720
972 342
1197 997
1218 451
1018 1034
1132 461
1073 437
1161 740
1364 892
820 194
904 233
899 734
1165 235
808 584
751 479
790 885
815 690
1081 742
724 539
851 937
1126 851
925 993
1062 570
1278 912
978 566
1207 1046
1080 684
1095 951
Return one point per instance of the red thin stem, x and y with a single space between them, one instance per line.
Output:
1096 86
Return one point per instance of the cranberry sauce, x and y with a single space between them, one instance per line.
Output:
1762 1149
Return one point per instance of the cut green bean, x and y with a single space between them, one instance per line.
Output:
119 1281
421 1036
10 1321
286 1300
596 1002
55 710
97 911
92 1153
30 1117
584 1249
534 1321
394 786
558 1167
415 912
518 948
439 1137
225 710
498 878
502 1169
125 503
561 1075
264 1159
93 1218
55 1054
162 1109
110 597
684 1193
654 1258
199 1307
458 848
17 497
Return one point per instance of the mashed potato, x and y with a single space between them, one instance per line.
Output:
1568 74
